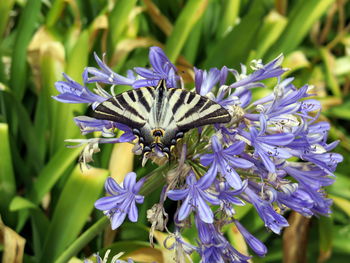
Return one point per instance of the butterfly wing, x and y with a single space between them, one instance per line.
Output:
191 110
131 108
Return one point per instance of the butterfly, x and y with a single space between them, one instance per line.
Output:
159 116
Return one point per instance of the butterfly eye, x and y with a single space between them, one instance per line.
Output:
173 141
179 135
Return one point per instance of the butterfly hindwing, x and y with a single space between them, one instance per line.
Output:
131 108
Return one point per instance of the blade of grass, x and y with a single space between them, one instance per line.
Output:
51 62
192 46
184 24
82 240
329 65
5 8
118 21
27 132
55 12
73 208
52 171
303 15
325 225
236 45
7 177
230 11
26 27
272 28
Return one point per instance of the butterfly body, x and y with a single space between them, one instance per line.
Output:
159 116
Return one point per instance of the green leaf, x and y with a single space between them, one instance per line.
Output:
26 27
329 62
325 225
341 186
188 17
5 11
7 177
300 20
234 48
52 172
342 66
20 203
272 28
55 12
342 111
228 19
82 240
72 210
27 132
118 21
342 203
192 44
341 241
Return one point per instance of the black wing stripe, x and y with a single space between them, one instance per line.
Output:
191 96
105 113
219 116
195 108
132 95
179 102
141 98
128 108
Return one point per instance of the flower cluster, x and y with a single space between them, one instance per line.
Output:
273 154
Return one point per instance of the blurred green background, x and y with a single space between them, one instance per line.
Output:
47 202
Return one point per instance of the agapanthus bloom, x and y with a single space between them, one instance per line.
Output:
271 153
122 201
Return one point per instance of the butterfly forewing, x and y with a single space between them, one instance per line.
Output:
131 108
191 110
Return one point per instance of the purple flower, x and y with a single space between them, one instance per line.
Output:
213 246
310 183
270 70
122 201
227 197
205 81
326 161
106 75
255 244
72 92
266 146
162 68
272 220
277 109
224 161
195 196
88 124
300 201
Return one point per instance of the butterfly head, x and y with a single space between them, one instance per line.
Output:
157 142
